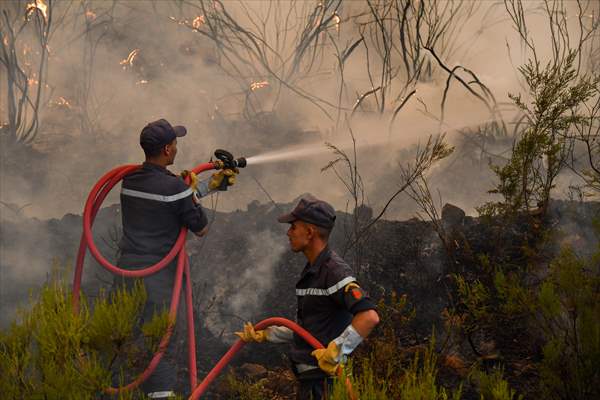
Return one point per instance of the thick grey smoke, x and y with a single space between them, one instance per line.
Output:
114 66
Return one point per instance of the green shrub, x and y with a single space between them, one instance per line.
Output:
493 386
419 380
244 389
51 352
542 149
569 309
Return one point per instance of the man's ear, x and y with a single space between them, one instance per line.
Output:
166 150
312 231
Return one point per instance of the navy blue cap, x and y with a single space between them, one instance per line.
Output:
160 133
313 211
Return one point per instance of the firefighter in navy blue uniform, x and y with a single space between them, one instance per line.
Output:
155 205
331 304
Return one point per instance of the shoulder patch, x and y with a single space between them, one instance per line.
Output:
351 286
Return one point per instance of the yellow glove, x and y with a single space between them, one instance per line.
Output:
193 178
216 180
327 358
250 335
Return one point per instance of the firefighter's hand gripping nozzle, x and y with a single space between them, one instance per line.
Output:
225 161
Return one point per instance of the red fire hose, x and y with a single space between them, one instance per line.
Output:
92 205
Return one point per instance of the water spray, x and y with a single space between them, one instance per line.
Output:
304 151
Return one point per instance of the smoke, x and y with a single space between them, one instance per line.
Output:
233 285
177 73
264 252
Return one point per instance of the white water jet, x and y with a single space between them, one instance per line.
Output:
303 151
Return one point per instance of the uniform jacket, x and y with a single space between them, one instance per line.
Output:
155 204
325 307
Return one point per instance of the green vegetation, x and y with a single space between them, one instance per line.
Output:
54 353
569 317
542 149
493 386
244 389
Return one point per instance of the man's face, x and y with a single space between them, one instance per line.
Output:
299 235
171 151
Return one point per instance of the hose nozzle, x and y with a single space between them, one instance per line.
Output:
227 160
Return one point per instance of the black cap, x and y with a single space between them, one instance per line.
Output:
160 133
313 211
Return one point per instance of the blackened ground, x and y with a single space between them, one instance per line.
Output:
243 271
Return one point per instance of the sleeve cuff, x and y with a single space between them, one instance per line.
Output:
202 189
279 334
347 342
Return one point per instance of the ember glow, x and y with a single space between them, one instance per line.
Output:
258 85
179 22
128 62
39 5
198 22
61 102
336 21
90 15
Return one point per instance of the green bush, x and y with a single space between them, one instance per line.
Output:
544 145
244 389
51 352
493 386
569 309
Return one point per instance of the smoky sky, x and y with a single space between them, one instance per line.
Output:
115 66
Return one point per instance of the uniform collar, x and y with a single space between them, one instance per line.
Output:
321 258
154 167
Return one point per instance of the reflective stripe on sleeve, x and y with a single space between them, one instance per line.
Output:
162 395
325 292
157 197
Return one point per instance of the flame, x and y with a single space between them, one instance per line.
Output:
32 81
141 82
128 62
258 85
198 22
336 21
90 15
179 22
39 5
61 102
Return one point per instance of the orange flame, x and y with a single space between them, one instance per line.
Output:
179 22
39 5
128 62
258 85
61 102
336 21
90 15
198 22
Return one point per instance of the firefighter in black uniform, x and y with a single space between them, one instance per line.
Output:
331 304
155 204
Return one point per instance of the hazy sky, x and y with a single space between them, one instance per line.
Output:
113 69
